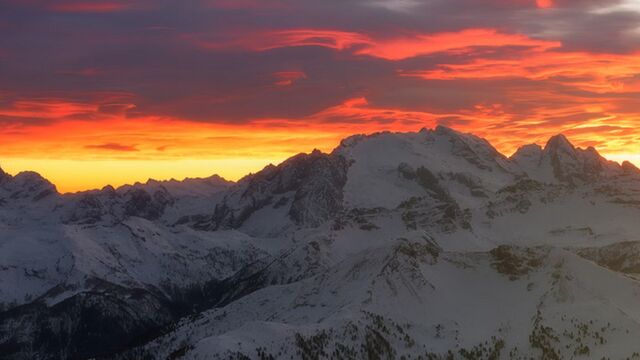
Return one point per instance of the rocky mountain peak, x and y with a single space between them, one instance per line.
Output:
559 143
108 189
29 184
528 153
476 150
305 189
629 168
444 130
3 175
561 161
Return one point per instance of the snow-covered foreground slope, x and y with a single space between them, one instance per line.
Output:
75 268
411 300
426 244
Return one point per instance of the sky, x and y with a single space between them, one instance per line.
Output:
118 91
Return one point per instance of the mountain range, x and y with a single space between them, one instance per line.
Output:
420 245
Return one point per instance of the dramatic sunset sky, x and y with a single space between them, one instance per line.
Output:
117 91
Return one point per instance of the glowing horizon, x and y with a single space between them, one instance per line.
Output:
119 91
70 175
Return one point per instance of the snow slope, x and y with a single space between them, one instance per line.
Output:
409 300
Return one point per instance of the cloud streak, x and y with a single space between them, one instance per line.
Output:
396 48
112 146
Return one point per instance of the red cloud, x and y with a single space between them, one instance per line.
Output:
66 106
424 44
591 72
394 48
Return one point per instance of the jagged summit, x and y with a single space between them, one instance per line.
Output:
445 130
3 175
555 146
381 170
186 187
630 168
26 185
559 160
559 143
527 151
573 165
308 185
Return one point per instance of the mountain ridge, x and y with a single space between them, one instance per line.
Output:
311 256
554 142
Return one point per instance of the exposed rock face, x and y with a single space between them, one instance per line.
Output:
629 168
26 185
477 151
528 156
560 161
623 256
147 206
319 196
436 207
309 185
3 176
113 207
92 207
567 165
148 201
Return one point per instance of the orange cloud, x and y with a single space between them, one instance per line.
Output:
173 148
395 48
97 105
82 154
544 88
402 48
47 108
544 4
112 146
592 72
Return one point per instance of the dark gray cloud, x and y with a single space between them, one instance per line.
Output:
145 49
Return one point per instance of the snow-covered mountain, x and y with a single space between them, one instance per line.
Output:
417 245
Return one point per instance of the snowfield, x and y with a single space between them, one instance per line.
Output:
426 245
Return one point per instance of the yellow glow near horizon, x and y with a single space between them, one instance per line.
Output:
620 158
78 175
82 155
